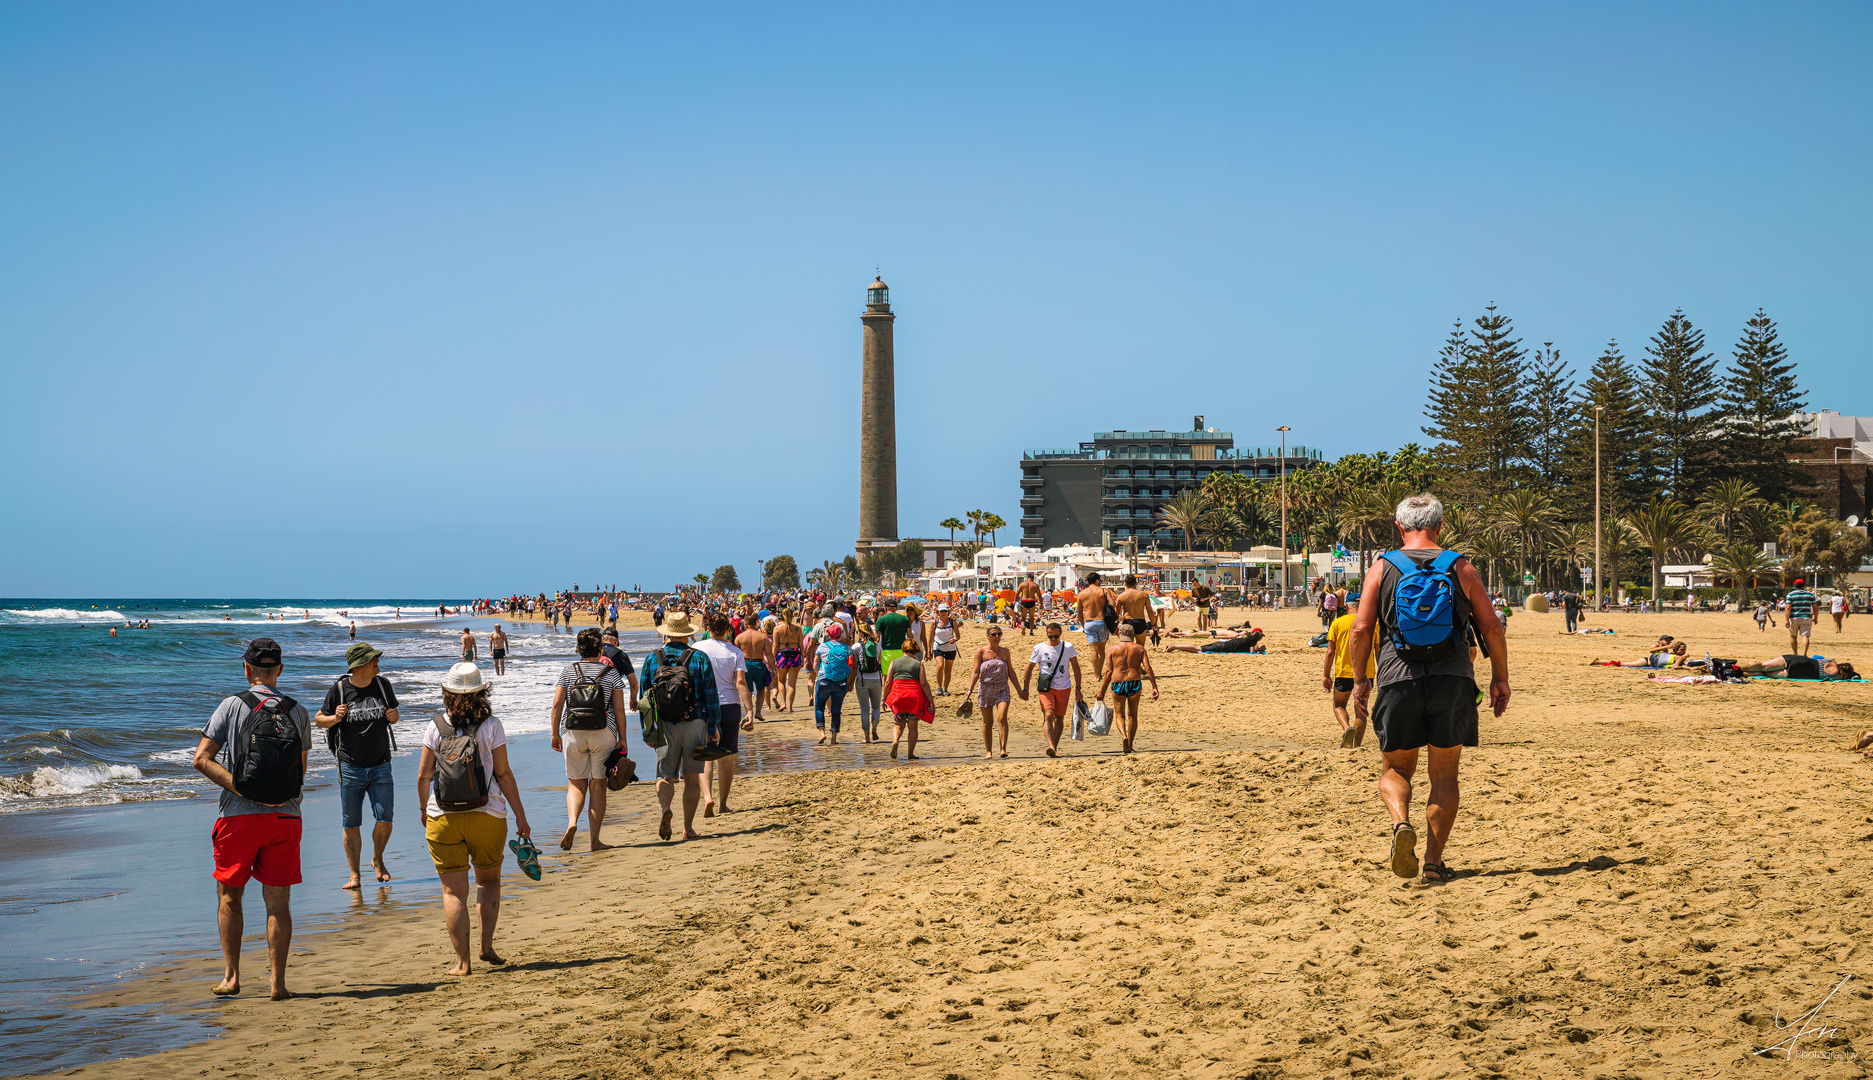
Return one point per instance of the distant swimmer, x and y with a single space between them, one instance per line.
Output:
468 646
113 631
497 648
354 631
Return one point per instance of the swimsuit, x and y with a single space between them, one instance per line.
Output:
992 682
757 675
787 657
1128 688
500 654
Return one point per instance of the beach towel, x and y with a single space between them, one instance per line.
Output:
907 696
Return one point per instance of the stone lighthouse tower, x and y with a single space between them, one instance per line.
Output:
877 448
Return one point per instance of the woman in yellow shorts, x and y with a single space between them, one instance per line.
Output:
465 796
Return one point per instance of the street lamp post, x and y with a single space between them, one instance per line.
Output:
1599 583
1284 429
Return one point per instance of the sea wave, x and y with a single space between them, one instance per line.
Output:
65 614
49 781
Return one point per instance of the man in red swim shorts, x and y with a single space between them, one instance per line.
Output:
266 736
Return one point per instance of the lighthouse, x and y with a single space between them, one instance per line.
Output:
877 449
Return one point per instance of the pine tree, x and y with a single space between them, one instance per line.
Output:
1758 400
1679 391
1548 403
1626 443
1475 405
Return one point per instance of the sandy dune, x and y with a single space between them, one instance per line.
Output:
1657 871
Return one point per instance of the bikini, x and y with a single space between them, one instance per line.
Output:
1128 688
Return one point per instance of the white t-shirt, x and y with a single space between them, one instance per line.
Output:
1057 659
1837 605
488 737
725 659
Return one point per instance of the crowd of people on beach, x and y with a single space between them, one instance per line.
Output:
1401 649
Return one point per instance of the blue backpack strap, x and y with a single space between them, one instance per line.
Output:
1445 560
1402 561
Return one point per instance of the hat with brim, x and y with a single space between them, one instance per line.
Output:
676 624
464 678
359 655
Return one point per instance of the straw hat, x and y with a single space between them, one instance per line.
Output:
464 678
676 624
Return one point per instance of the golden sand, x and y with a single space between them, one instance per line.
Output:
1657 871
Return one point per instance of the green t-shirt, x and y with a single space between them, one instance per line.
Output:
892 627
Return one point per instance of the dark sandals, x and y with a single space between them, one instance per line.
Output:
1436 873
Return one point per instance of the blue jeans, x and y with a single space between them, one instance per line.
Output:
825 693
357 781
870 701
1573 620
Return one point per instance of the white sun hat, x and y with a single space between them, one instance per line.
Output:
465 678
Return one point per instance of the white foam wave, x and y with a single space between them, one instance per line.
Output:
48 781
174 757
47 750
67 614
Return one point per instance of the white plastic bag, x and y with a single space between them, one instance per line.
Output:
1077 729
1099 719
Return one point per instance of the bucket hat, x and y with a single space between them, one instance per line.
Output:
465 678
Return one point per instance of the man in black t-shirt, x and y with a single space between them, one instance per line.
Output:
620 662
356 715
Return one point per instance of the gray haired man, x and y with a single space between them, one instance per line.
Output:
1428 694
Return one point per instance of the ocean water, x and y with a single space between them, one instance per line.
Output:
105 823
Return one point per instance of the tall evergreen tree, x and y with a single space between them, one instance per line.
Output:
1626 443
1680 388
1758 400
1548 402
1475 405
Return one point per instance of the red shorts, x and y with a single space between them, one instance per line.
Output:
1055 701
264 846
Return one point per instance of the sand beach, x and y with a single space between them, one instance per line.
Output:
1657 873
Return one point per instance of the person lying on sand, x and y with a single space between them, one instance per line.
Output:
1666 653
1249 641
1792 666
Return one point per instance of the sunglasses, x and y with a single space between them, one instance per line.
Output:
995 633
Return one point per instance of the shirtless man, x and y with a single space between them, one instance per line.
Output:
1128 665
1092 603
497 647
1200 599
1028 595
788 656
758 650
1134 606
468 645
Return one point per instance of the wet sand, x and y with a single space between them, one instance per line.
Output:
1657 871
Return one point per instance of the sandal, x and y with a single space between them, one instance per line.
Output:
1436 872
527 856
1404 850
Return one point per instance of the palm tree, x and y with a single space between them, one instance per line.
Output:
831 576
991 524
1742 565
1494 547
1529 516
1616 538
975 522
952 524
702 580
1727 503
1573 545
1190 513
1225 528
1459 531
1663 526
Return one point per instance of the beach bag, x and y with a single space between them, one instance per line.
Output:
672 697
1318 641
619 770
1424 607
461 776
1099 719
585 700
1077 730
266 751
1110 618
838 658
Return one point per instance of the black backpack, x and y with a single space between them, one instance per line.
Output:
266 751
585 700
461 781
671 691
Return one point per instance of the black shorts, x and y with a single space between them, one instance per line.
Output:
730 728
1342 686
1438 710
1139 626
1028 605
500 654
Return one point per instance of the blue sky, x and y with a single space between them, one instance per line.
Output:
359 299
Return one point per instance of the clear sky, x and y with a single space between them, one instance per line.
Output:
406 299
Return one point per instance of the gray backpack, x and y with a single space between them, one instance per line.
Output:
461 776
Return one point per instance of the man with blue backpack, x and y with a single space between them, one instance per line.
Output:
1423 609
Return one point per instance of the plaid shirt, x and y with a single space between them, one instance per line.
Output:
701 680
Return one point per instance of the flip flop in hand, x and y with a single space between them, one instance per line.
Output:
527 856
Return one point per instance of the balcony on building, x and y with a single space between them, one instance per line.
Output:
1029 502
